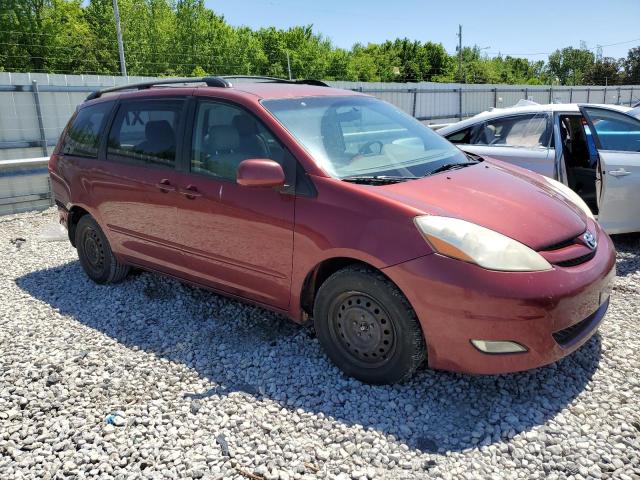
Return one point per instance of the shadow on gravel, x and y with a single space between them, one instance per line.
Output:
240 348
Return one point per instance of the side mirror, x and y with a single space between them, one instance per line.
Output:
260 172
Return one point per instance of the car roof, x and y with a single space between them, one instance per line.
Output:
268 90
523 109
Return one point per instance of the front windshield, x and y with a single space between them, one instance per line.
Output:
635 113
363 136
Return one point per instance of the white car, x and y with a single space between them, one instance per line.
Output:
593 149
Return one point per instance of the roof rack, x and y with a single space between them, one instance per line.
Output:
317 83
219 81
210 81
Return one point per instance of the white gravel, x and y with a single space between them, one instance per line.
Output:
154 379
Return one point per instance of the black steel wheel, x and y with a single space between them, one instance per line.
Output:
93 250
360 326
95 254
367 327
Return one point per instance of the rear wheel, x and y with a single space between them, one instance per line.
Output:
367 327
94 252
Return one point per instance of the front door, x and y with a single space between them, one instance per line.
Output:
238 239
617 139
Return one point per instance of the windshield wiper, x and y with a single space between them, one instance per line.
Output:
451 166
380 179
473 157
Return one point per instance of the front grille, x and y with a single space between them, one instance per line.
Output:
577 261
559 245
568 253
567 336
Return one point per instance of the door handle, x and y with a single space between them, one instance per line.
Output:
165 186
191 192
621 172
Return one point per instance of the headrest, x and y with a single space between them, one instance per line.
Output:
159 132
245 124
224 138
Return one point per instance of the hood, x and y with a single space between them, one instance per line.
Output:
508 200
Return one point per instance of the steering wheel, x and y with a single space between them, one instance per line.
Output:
366 148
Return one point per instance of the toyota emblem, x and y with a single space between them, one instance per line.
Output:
590 240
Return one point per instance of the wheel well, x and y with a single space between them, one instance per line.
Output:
75 214
316 277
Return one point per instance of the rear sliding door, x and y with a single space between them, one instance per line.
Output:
136 187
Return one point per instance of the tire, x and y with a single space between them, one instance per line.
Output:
95 254
367 327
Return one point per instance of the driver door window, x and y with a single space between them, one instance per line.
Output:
616 131
525 131
224 135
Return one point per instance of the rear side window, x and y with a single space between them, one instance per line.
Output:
83 135
528 131
146 132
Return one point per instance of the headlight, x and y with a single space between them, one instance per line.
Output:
570 195
469 242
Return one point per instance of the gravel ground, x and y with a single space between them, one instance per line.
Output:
154 379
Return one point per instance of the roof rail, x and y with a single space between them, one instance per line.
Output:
317 83
210 81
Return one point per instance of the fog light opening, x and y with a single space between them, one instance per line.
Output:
494 346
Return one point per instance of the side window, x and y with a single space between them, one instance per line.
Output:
146 131
528 131
225 135
461 137
615 131
83 135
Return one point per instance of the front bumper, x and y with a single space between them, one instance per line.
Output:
457 302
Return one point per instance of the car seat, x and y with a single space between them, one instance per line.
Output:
251 142
160 140
223 151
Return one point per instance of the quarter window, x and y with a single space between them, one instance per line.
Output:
528 131
224 135
83 135
146 132
461 137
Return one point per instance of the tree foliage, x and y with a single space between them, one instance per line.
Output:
184 37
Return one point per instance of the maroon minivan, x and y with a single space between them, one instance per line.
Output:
332 205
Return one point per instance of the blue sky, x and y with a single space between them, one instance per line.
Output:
509 27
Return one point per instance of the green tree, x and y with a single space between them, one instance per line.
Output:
184 37
604 72
570 65
632 66
101 44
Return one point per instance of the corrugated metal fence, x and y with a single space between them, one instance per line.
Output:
36 107
452 101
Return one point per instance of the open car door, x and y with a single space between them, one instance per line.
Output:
617 139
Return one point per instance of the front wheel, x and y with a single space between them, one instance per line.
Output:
94 252
367 327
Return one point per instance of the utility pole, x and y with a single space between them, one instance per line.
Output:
460 53
289 66
123 65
